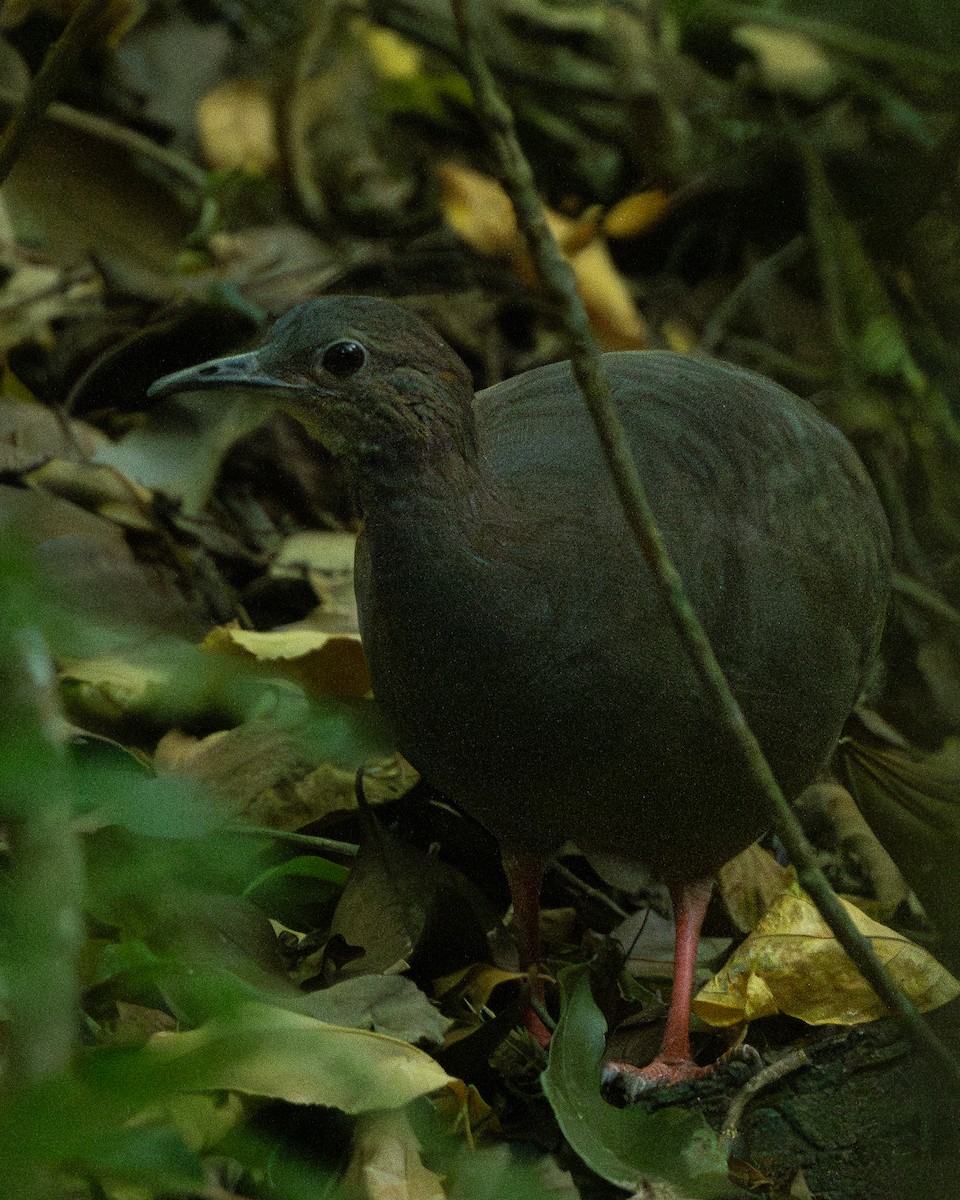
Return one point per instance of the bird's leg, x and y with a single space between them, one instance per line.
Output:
524 873
674 1063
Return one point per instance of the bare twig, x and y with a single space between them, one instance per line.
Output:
773 1073
560 287
349 849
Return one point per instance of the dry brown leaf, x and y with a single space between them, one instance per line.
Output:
35 294
237 128
325 558
386 1164
332 664
237 765
831 805
478 208
84 197
792 963
649 943
32 433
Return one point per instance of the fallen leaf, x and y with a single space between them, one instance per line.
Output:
470 989
325 558
637 213
87 197
792 963
750 883
237 128
629 1147
648 941
32 433
326 663
100 489
480 211
462 1107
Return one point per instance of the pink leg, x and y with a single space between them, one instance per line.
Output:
674 1063
524 873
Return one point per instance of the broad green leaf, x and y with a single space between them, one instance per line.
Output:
308 866
267 1051
625 1146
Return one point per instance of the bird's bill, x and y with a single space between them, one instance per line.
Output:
236 371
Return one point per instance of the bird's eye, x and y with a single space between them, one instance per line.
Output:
343 358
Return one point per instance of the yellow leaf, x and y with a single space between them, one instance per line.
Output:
237 128
393 55
792 963
480 211
462 1107
750 883
332 664
637 213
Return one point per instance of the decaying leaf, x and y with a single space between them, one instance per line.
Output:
792 963
85 196
648 941
470 989
236 765
100 489
462 1107
31 433
325 557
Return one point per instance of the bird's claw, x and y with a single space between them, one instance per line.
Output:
635 1082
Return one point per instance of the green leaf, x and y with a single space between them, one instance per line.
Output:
390 1004
263 1050
309 866
257 1049
623 1145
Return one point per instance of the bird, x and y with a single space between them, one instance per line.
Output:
517 642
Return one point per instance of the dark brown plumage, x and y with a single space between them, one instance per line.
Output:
515 639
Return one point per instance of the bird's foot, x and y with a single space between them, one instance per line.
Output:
664 1071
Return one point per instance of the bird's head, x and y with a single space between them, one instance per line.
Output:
362 375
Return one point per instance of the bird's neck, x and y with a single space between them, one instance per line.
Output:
415 450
